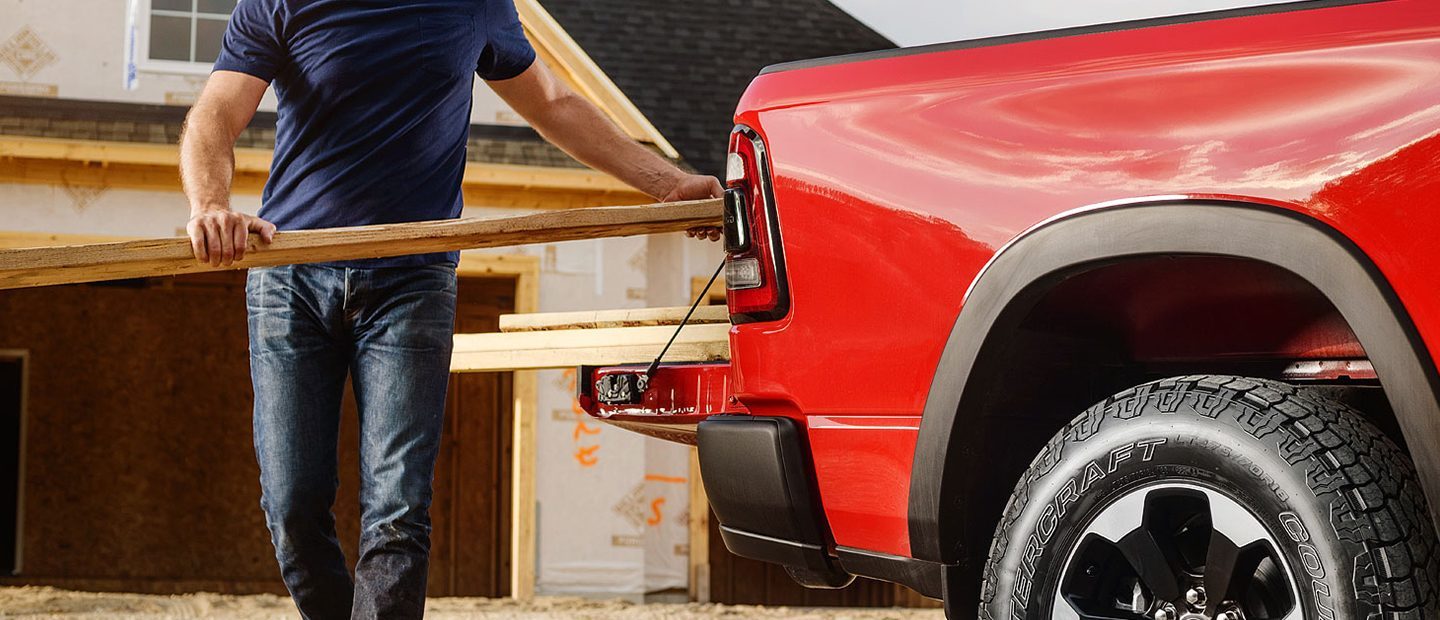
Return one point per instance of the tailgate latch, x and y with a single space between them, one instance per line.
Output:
621 388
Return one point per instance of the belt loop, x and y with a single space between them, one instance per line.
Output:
345 304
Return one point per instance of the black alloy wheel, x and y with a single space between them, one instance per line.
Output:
1176 550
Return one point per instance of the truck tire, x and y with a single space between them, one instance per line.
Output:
1215 498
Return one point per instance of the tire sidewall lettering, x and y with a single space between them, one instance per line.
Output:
1078 482
1311 563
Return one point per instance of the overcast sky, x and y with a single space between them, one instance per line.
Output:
917 22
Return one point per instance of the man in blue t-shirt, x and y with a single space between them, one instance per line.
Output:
374 112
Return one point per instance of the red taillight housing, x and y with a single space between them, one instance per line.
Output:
755 285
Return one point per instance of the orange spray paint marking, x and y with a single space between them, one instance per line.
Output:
660 478
582 429
586 456
655 511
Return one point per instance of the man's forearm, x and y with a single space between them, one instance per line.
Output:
207 166
207 160
582 130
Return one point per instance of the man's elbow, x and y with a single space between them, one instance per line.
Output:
566 109
209 119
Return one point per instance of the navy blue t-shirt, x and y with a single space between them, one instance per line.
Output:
374 105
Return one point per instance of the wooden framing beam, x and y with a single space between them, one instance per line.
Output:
699 536
587 347
161 257
699 555
56 161
562 54
592 319
104 152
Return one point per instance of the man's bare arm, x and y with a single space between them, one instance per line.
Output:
207 167
572 123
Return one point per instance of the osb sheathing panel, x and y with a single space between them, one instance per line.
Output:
141 472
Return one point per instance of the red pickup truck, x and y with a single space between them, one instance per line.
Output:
1122 322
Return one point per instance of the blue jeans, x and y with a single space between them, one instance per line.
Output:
391 329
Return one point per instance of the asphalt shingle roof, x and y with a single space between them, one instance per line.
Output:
685 64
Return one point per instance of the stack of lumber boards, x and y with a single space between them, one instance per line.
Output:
528 341
594 338
27 267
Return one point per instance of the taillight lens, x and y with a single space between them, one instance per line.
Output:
754 270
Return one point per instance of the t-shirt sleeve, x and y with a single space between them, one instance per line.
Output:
507 53
253 41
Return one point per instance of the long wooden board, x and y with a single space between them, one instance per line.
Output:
592 319
162 257
592 347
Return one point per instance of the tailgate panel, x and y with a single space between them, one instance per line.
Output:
677 397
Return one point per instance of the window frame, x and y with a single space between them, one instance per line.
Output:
145 64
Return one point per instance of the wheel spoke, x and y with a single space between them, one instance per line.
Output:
1151 564
1232 530
1229 518
1063 609
1220 563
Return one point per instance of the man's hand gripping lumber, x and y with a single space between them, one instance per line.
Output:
207 166
572 123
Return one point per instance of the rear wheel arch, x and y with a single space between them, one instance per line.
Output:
949 506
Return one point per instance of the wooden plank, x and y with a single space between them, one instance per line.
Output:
699 534
590 347
569 60
525 445
15 239
257 161
162 257
523 544
593 319
59 161
107 152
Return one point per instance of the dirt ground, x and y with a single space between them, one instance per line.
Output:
35 603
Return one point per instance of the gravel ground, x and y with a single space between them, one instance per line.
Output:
36 602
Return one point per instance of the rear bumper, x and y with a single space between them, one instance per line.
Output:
758 477
757 470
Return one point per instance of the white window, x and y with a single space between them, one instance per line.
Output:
183 35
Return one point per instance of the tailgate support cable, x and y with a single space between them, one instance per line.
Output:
655 365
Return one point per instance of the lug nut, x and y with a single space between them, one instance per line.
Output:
1166 613
1229 615
1196 597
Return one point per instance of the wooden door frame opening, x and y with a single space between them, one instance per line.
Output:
526 271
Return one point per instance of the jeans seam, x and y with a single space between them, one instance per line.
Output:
264 305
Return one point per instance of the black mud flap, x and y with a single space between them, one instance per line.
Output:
756 471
